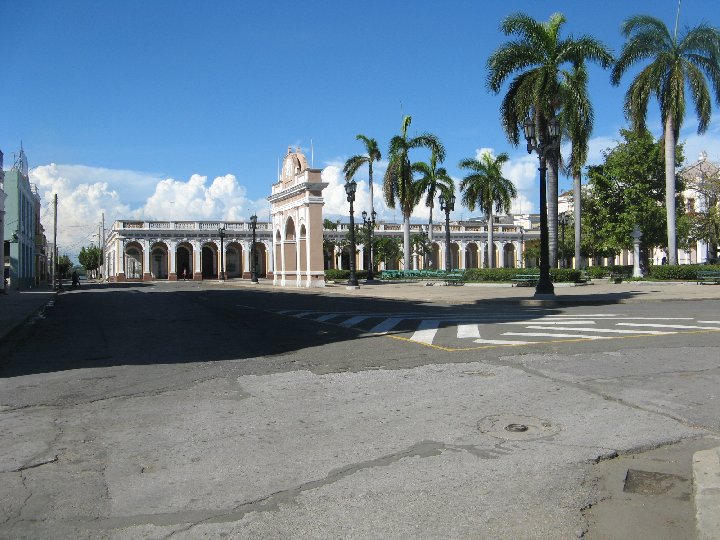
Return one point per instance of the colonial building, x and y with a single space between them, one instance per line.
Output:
5 253
172 250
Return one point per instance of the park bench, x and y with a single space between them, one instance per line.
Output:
525 279
708 276
454 279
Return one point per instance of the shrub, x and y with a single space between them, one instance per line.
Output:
683 272
557 275
333 274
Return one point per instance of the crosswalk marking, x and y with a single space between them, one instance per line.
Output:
426 332
502 342
387 325
678 326
441 325
352 321
569 321
541 334
604 330
468 331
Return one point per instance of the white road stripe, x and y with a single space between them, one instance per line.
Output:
678 326
543 321
606 330
540 334
468 331
709 322
385 326
426 332
327 317
352 321
502 342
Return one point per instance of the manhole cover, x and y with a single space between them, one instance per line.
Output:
517 427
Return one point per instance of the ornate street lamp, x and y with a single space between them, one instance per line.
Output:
562 221
221 232
350 188
253 257
447 206
544 149
370 226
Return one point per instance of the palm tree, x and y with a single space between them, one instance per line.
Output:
354 163
398 182
537 59
486 187
675 65
432 179
577 120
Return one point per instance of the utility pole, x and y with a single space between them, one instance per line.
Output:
55 249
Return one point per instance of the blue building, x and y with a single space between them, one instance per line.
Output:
21 225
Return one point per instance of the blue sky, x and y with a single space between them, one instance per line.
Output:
172 109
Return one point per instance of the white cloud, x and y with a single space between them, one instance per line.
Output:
85 193
80 204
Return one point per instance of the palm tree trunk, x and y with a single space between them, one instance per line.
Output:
552 208
670 188
577 211
491 243
407 262
370 186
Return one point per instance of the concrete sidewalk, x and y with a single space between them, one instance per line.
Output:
595 292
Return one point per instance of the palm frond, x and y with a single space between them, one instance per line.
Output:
352 165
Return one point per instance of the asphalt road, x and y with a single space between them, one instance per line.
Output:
186 411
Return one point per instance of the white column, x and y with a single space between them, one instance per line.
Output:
246 252
197 257
501 255
146 257
461 254
518 254
172 247
481 255
361 258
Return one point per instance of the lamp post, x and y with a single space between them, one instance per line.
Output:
522 247
253 258
544 149
370 225
447 205
350 188
562 221
221 232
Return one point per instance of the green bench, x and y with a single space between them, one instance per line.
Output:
525 279
454 279
708 276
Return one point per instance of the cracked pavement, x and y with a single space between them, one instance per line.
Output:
182 430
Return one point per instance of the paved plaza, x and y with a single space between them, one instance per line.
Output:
208 410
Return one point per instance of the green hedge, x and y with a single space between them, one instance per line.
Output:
599 272
343 275
682 272
557 275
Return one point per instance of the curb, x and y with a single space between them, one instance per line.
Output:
706 479
13 327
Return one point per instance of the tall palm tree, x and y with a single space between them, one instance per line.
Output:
676 65
355 162
398 183
577 121
486 187
432 179
537 58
